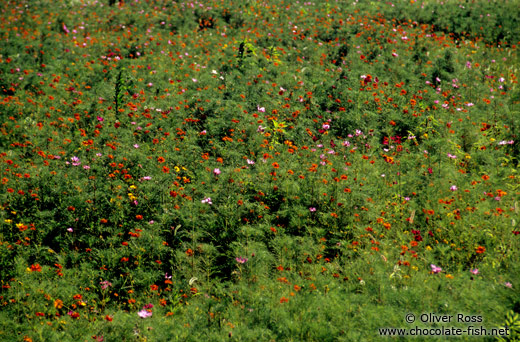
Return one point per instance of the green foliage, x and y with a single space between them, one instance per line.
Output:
256 170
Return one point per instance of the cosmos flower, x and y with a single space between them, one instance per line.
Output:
241 260
145 313
435 269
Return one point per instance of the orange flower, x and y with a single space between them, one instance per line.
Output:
161 160
276 165
485 177
58 303
283 300
480 249
36 268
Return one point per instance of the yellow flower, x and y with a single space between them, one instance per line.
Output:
449 276
428 248
8 221
133 187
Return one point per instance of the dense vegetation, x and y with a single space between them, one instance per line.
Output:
257 170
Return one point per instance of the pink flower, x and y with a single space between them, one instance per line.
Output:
144 313
435 269
474 271
216 172
105 284
241 260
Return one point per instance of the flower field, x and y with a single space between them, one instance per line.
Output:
257 170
